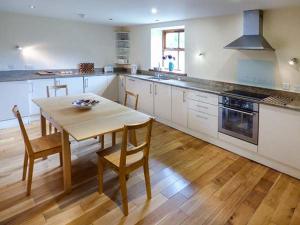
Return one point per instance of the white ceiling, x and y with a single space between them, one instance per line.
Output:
128 12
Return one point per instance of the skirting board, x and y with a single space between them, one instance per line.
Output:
255 156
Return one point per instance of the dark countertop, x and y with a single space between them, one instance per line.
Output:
278 98
21 75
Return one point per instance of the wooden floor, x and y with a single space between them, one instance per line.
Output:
193 182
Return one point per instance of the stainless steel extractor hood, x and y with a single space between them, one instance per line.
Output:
252 38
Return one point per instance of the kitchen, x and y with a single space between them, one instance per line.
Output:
221 83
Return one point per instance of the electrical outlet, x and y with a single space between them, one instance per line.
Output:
286 86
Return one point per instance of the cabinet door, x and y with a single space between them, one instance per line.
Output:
75 85
95 84
14 93
179 106
112 89
145 92
162 101
39 90
122 85
279 131
132 86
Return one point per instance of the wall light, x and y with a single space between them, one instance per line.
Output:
19 47
201 54
293 61
154 10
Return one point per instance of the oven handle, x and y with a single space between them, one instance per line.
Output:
240 111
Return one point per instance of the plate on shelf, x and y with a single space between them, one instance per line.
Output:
85 103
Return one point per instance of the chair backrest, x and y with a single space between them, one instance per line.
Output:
27 143
57 87
136 96
145 146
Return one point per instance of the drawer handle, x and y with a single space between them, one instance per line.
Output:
201 96
201 106
131 80
202 117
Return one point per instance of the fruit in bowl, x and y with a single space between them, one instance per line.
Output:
84 103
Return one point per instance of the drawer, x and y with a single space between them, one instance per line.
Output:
203 107
203 97
131 84
201 122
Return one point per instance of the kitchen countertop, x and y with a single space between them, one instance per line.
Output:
273 100
6 76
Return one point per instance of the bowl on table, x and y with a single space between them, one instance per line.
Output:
84 103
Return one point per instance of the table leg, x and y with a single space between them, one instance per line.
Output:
132 137
67 170
43 125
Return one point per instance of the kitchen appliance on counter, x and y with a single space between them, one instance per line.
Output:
239 114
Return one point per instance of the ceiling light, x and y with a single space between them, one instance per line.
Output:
32 7
157 20
154 10
110 19
81 15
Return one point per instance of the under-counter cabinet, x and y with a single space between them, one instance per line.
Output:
122 88
179 106
111 92
145 91
203 113
13 93
279 135
162 101
75 85
95 84
38 90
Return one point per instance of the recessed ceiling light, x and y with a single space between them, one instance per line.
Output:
157 20
81 15
110 19
154 10
32 6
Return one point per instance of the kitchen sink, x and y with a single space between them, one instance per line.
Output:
159 78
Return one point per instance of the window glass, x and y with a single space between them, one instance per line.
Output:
181 40
172 40
182 60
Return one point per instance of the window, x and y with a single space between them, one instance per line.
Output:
173 44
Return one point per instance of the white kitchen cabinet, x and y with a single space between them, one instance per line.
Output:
179 106
279 135
132 85
162 101
111 91
75 85
145 92
38 90
95 84
14 93
122 87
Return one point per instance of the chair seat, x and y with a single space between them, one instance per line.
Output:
46 143
112 155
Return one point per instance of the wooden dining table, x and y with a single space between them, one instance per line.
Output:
105 117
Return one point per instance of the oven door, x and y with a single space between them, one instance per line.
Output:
239 124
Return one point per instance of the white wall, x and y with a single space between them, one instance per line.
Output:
210 35
53 43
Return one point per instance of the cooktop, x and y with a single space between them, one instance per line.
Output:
246 94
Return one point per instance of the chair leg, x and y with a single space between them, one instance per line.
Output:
100 175
50 128
55 130
30 172
113 138
123 187
147 179
25 166
61 159
101 140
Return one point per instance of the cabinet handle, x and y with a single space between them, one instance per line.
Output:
201 106
202 117
87 82
183 96
150 89
155 89
201 96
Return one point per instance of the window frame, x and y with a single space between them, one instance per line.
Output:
177 50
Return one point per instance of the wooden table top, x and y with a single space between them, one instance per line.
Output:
105 117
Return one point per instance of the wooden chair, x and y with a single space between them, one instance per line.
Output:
124 159
55 88
127 93
37 148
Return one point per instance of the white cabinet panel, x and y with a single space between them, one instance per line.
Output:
111 91
38 90
203 97
203 107
132 86
279 135
75 85
95 84
162 101
122 87
145 92
14 93
179 106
